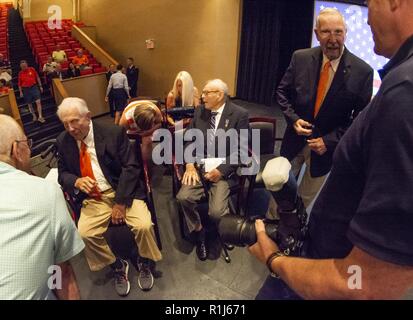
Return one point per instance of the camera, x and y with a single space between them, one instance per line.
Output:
289 231
180 113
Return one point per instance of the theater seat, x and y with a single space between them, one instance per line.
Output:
86 72
99 69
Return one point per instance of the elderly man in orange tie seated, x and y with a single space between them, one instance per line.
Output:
100 167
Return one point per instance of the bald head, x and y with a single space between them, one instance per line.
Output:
391 23
10 131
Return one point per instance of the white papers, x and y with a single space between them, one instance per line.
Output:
212 163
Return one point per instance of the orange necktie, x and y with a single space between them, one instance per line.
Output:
86 169
322 87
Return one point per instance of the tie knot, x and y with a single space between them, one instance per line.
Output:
83 146
327 65
214 113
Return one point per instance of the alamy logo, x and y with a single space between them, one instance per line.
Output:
230 144
354 281
55 20
55 280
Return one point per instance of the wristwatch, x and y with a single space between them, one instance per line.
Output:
270 259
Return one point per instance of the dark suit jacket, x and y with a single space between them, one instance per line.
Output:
132 73
72 74
233 117
349 93
117 160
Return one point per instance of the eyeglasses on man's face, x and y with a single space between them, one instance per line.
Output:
336 33
207 92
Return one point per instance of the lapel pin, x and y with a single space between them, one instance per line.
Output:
226 123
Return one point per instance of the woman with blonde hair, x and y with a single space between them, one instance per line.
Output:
183 93
142 117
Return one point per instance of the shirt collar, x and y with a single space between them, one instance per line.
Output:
220 110
334 63
404 52
90 136
5 167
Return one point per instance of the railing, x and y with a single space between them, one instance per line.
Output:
101 55
9 105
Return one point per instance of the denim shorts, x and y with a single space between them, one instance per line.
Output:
31 94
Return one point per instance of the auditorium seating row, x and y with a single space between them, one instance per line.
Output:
43 42
4 47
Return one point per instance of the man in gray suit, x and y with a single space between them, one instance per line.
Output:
217 113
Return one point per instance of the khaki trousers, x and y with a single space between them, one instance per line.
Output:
94 221
309 186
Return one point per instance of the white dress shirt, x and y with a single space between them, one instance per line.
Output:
103 184
218 116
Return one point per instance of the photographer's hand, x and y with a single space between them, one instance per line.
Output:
317 145
264 246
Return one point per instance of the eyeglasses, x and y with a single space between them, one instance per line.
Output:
207 92
29 143
327 33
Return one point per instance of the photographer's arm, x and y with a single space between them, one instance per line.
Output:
329 278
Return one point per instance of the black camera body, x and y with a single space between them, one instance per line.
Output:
288 232
180 113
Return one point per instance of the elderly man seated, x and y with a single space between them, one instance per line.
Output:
217 113
81 61
99 165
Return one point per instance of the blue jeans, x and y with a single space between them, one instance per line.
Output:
276 289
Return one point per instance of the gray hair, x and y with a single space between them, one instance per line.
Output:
70 104
219 84
329 12
10 131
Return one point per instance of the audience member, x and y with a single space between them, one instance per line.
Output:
59 55
28 89
142 117
218 113
183 94
112 70
81 61
118 86
73 71
99 165
37 234
4 89
133 74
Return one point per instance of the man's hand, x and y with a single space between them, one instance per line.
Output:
106 99
118 214
303 128
85 184
317 145
21 94
41 89
213 175
264 246
190 177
